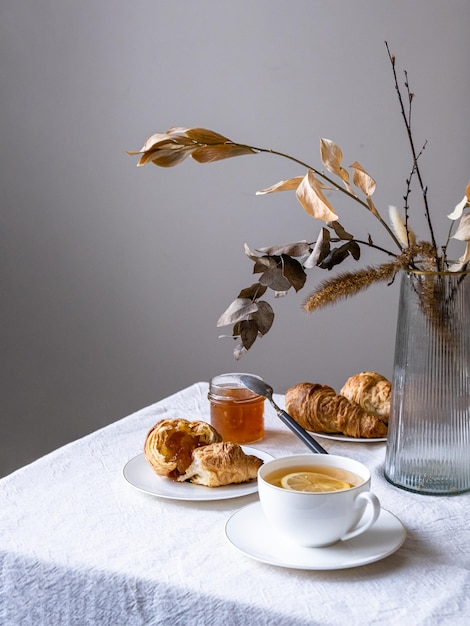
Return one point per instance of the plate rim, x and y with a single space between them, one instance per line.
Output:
400 529
345 438
202 494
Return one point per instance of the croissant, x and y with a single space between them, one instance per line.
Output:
221 464
170 443
371 391
318 408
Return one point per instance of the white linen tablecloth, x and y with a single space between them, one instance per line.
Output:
80 546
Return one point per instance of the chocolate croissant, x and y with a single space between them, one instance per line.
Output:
371 391
320 409
221 464
170 443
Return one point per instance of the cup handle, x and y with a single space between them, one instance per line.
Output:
360 528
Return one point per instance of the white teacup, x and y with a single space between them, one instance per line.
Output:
317 519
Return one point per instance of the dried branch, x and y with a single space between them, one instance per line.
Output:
407 120
284 266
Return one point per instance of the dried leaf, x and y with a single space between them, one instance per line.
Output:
253 292
362 179
173 146
283 185
463 231
331 157
299 248
339 230
165 149
275 279
265 264
372 207
209 154
320 250
293 271
173 135
167 157
238 310
462 261
459 208
336 256
463 204
354 250
249 252
248 333
264 317
239 351
202 135
310 196
176 131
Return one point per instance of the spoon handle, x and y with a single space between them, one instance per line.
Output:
300 432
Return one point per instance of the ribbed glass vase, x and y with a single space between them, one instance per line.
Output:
428 443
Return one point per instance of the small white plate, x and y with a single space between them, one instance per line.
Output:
339 437
140 475
249 531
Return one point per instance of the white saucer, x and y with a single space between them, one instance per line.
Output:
339 437
140 475
249 531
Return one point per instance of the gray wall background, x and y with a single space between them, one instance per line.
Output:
112 276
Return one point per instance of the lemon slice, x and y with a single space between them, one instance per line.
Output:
312 481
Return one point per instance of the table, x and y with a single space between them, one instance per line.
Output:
80 546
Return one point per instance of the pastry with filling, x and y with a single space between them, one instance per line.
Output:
170 443
220 464
371 391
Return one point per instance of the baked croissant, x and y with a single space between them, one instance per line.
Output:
371 391
320 409
221 464
170 443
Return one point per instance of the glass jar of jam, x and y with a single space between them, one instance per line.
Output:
236 412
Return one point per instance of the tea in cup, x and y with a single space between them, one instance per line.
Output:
317 500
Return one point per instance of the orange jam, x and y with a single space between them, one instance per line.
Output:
236 412
180 447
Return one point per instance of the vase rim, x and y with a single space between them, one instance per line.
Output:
436 273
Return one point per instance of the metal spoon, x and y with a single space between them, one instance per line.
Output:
263 389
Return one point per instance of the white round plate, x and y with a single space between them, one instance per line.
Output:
249 531
339 437
140 475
